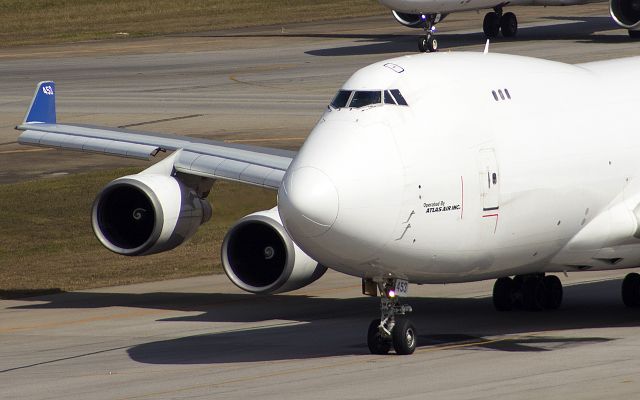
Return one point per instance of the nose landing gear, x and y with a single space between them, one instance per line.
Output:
428 43
392 329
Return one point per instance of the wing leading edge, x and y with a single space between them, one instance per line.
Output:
254 165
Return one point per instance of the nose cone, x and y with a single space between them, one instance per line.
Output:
341 196
308 202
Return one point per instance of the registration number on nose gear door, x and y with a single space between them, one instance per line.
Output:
402 288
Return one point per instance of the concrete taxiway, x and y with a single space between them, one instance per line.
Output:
202 337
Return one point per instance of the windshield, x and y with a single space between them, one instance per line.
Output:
363 98
341 99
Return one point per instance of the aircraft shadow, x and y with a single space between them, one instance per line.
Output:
302 327
583 30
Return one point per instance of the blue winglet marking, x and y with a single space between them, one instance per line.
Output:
43 104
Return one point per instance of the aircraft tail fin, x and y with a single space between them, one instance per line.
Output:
43 105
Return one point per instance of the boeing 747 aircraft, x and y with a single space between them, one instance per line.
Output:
522 167
425 14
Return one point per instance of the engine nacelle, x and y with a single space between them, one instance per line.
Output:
259 256
147 213
410 20
626 13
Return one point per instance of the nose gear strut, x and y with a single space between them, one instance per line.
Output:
392 328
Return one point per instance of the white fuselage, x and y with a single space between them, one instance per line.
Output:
449 6
459 186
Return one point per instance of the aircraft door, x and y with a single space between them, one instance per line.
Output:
489 180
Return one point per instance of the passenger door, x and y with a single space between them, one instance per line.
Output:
489 180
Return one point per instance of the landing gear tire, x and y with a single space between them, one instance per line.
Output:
552 292
634 34
533 294
491 25
529 292
631 290
432 44
378 344
509 24
404 337
428 44
422 44
502 294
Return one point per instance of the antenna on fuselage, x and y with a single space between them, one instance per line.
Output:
486 47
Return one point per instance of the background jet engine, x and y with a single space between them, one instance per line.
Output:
147 213
410 20
626 13
259 256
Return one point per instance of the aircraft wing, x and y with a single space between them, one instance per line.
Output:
254 165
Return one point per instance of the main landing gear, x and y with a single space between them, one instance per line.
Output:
392 329
428 43
532 292
495 22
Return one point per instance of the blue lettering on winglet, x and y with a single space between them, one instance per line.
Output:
43 105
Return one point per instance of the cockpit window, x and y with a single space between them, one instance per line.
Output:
341 99
365 98
399 99
388 99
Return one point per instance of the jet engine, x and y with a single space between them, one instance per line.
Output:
626 13
259 256
147 213
410 20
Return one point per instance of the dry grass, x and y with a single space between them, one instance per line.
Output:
55 21
48 244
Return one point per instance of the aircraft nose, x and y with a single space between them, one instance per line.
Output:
308 202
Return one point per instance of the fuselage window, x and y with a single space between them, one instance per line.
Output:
501 94
506 91
399 99
365 98
341 99
495 95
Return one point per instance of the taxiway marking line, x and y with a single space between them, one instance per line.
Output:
134 49
263 140
236 80
156 121
24 151
82 321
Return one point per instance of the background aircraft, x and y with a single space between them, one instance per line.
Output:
394 188
425 14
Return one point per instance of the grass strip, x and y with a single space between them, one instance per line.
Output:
48 244
56 21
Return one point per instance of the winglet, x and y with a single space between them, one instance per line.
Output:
486 47
43 104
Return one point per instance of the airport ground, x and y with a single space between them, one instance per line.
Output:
201 337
